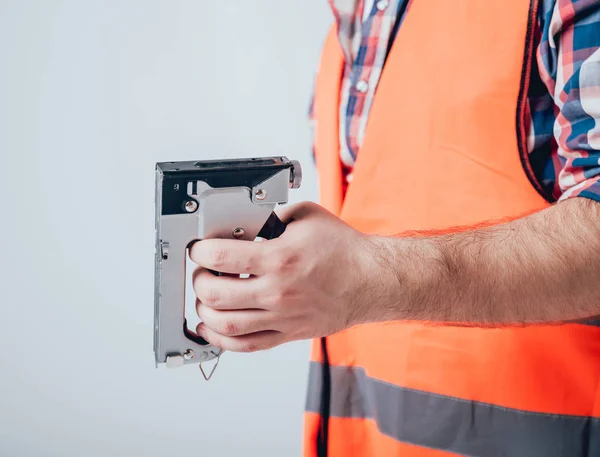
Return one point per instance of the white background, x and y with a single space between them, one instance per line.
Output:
92 94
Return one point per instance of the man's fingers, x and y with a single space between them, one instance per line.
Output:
231 256
297 211
248 343
235 323
226 292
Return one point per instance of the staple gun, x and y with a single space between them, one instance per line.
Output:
196 200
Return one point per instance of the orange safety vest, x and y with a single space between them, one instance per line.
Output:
445 146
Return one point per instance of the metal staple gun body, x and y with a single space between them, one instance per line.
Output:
196 200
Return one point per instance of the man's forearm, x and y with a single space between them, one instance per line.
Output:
543 268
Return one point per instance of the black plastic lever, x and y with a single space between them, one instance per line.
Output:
273 228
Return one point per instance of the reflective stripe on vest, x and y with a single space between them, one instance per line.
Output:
457 425
443 148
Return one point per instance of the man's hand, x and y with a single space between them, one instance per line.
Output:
322 276
318 278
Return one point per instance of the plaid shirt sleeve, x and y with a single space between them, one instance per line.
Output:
569 63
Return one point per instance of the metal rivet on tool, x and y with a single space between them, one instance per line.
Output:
204 355
188 354
191 206
238 232
261 194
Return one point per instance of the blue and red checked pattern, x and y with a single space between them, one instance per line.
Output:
364 30
563 103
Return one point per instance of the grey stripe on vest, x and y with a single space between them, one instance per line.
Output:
463 427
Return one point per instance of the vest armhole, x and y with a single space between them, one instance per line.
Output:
521 103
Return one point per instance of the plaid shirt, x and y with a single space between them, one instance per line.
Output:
563 112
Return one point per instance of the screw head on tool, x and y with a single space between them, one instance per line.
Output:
191 206
238 232
188 354
261 194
